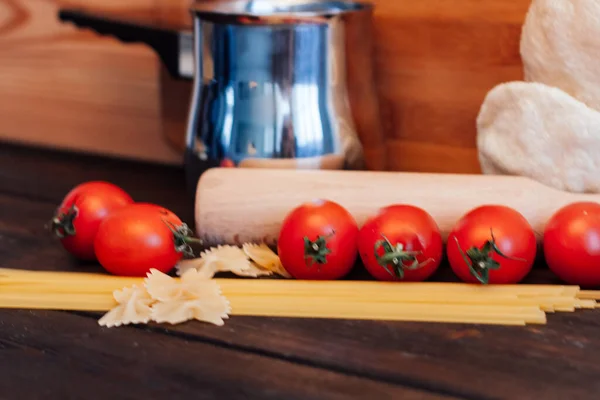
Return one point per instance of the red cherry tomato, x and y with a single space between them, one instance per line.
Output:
139 237
227 163
572 244
78 217
401 242
318 241
492 244
162 211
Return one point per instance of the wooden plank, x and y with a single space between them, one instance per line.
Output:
422 104
435 61
405 155
499 362
456 10
68 88
48 176
57 355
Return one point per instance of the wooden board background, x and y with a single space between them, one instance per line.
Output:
72 89
435 61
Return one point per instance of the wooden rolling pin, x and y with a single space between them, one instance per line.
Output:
237 205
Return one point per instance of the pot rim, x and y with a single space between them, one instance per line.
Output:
264 12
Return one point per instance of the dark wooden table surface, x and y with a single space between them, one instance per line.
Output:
66 355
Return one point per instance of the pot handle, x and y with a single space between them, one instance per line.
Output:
174 47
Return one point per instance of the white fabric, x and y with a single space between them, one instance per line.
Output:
538 131
560 46
548 127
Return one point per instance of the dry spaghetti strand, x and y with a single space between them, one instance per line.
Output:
425 301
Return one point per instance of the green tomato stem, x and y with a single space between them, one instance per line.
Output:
315 252
182 238
397 257
62 223
480 261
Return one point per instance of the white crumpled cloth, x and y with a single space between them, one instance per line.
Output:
548 126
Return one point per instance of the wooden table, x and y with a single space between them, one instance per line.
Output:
66 355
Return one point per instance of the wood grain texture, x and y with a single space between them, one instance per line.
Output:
436 60
63 355
223 216
69 356
67 88
47 177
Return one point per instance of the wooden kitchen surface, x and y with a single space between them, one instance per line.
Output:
66 355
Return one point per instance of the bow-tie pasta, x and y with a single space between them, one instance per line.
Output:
134 307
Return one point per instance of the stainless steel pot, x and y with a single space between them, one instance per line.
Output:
270 84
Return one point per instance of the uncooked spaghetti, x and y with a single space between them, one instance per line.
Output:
519 304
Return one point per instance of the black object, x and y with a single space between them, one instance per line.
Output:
165 42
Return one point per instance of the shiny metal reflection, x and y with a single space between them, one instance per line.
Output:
272 95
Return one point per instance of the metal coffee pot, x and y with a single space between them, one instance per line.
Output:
270 82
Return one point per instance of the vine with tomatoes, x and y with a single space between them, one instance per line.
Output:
321 240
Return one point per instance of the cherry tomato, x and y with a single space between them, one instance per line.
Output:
401 242
227 163
162 211
79 215
492 244
572 243
318 241
139 237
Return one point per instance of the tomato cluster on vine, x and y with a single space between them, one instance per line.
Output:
490 244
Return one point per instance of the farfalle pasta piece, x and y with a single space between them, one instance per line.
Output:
265 258
195 283
232 259
213 310
172 312
161 286
207 265
134 307
193 296
223 259
252 271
